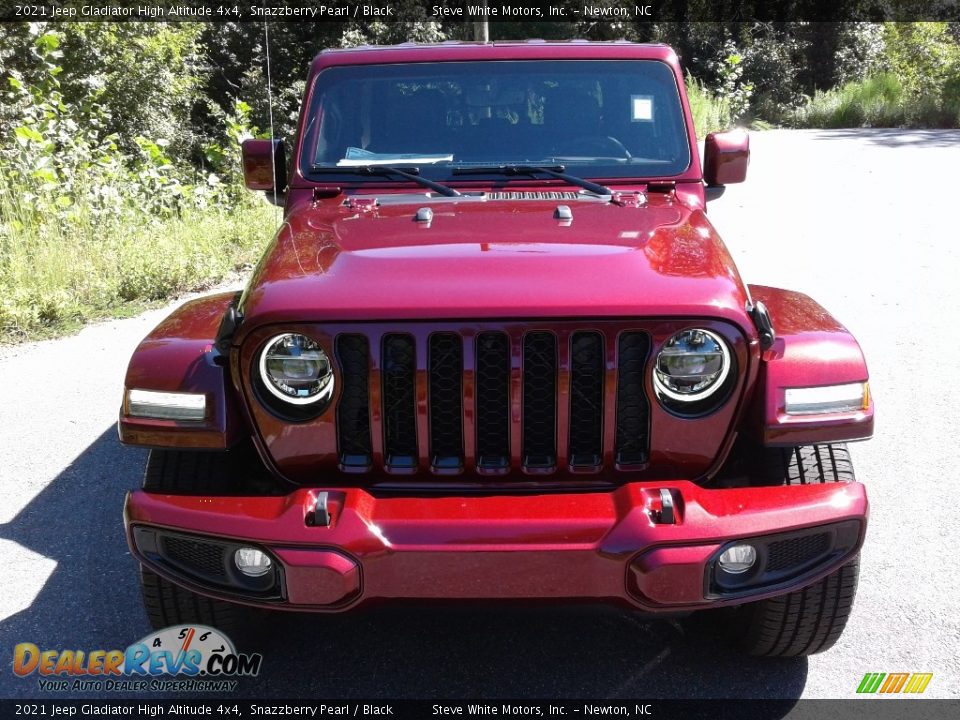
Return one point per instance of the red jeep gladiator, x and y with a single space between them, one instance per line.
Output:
496 350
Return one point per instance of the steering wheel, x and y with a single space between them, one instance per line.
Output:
599 145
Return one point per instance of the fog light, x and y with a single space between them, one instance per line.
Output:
252 562
737 559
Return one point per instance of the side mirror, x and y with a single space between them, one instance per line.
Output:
725 158
264 160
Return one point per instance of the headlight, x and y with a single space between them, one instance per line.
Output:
691 366
296 370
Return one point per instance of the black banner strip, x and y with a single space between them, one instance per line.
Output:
640 709
574 11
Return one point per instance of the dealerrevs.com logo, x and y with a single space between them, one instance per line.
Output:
894 683
179 658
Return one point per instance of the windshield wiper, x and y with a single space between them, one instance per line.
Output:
407 173
557 171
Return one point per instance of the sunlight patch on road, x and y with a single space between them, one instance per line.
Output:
23 577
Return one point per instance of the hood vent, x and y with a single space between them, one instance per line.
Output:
544 195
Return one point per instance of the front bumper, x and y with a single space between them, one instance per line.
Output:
611 546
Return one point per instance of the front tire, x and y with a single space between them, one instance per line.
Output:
169 604
812 619
807 465
188 472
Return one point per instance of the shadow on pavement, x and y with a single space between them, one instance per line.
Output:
894 137
91 601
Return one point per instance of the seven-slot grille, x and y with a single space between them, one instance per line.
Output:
492 401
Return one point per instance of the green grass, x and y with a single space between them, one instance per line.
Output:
879 101
710 113
54 276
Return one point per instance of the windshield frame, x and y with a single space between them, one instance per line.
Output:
446 173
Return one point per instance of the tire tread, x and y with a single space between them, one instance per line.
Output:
809 620
169 604
804 622
192 472
238 471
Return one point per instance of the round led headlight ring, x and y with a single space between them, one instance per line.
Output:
296 370
692 366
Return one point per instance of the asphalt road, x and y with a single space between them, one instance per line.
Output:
862 220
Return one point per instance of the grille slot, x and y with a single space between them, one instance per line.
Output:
493 400
633 410
193 556
353 411
399 401
795 552
539 400
445 358
586 399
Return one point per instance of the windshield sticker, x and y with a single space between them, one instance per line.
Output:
358 156
642 110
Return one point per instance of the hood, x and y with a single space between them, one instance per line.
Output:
484 257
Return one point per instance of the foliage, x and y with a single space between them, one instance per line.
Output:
64 160
912 80
146 75
379 33
710 113
733 90
881 100
859 52
89 220
874 102
119 142
922 55
54 276
773 60
236 68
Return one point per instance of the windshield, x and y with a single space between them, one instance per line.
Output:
597 118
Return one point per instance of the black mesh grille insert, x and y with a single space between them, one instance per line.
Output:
539 400
795 552
630 446
353 411
197 557
399 401
493 400
514 383
586 399
445 357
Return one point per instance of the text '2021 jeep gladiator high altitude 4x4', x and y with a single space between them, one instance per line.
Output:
497 351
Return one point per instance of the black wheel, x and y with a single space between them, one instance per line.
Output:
810 620
169 604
